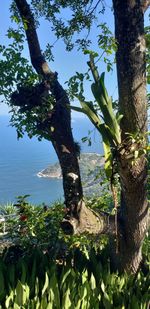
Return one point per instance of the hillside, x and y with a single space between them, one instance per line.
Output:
90 166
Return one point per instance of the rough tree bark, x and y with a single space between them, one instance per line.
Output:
131 71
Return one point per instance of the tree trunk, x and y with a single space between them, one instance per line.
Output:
65 148
131 68
58 123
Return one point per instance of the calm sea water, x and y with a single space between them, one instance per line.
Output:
20 161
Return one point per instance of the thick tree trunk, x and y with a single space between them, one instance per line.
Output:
131 68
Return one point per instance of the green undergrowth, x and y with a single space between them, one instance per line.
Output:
83 280
39 226
43 268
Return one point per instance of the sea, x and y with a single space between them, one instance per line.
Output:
21 160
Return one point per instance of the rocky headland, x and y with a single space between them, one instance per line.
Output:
91 167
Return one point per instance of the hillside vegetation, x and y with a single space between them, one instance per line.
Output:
91 168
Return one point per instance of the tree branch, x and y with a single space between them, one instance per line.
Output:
94 8
60 118
91 222
93 68
37 59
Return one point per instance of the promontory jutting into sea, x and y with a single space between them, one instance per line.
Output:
21 162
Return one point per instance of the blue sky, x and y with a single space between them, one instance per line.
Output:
66 64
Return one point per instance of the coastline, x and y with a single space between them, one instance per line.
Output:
42 174
91 168
54 171
19 167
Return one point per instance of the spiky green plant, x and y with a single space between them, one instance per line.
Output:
109 124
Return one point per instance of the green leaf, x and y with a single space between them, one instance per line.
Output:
24 272
11 275
119 117
9 299
44 304
46 284
33 276
78 109
65 274
90 52
103 287
16 306
66 301
93 282
22 293
121 283
84 276
91 113
108 159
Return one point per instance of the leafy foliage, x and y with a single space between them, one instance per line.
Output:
46 268
14 68
82 14
84 281
40 226
21 88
